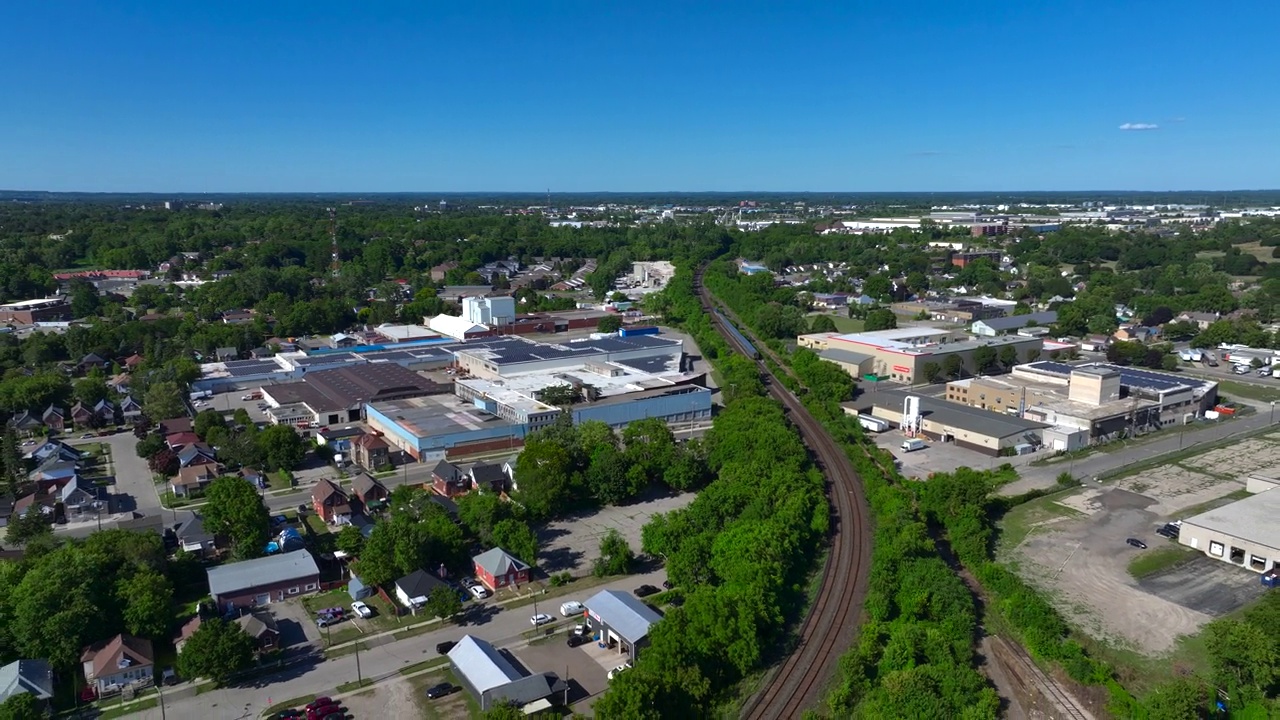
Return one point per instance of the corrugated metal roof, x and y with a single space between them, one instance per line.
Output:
629 618
481 664
240 576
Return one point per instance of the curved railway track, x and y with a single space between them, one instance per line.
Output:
827 630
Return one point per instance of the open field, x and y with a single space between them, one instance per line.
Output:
1142 609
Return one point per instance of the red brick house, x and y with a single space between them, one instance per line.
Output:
496 568
331 502
449 481
369 490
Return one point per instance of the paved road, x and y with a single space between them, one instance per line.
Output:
503 629
133 477
1101 463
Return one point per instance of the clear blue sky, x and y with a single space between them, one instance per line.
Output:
858 96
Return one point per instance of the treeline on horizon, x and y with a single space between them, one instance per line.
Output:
1212 198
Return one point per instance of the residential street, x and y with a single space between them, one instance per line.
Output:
503 628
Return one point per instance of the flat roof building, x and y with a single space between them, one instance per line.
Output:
902 354
263 580
971 428
328 397
1244 533
28 312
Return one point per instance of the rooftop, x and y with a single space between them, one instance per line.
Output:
239 576
1252 519
625 614
1130 377
1054 396
481 664
29 304
436 415
985 422
519 350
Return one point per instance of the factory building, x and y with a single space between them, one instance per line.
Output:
1244 533
902 355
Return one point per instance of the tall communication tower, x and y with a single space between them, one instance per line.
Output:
336 261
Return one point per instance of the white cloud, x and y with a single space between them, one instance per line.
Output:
1139 126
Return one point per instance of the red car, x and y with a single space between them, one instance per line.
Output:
321 711
319 702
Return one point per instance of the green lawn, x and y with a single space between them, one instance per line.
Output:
317 525
848 324
1023 519
1157 559
1231 388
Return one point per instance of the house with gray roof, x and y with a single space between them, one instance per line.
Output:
991 327
623 621
264 580
26 676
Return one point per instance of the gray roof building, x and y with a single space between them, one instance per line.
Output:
273 569
1013 323
26 676
496 561
492 679
624 614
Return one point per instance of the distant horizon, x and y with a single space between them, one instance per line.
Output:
6 193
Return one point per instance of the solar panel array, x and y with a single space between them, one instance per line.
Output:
1129 376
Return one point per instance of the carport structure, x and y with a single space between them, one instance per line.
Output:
622 620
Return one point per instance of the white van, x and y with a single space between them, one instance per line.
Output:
913 444
573 607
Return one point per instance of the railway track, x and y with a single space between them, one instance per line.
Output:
1025 672
827 630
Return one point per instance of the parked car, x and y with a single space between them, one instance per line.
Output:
468 582
336 611
646 591
480 592
358 607
619 670
288 714
581 629
324 711
441 690
572 607
667 584
325 621
445 646
541 619
576 640
335 716
321 701
1137 543
86 436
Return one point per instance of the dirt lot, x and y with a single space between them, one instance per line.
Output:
573 543
396 699
1073 546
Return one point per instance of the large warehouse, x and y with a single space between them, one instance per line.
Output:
329 397
901 355
985 432
1244 533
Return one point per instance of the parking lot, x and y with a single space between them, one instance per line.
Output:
937 457
586 676
1075 548
572 544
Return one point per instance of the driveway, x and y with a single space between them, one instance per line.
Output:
134 489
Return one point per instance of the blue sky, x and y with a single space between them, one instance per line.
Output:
581 96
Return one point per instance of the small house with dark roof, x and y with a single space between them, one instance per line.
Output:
196 453
105 410
81 415
489 478
130 408
91 361
413 589
448 480
174 425
54 418
224 354
132 362
25 423
370 491
193 479
331 502
261 626
112 664
27 676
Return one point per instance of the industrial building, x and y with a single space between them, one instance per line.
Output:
902 354
977 430
492 679
329 397
992 327
504 387
27 312
1244 533
1087 404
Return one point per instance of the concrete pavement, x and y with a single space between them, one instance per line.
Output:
1100 464
504 628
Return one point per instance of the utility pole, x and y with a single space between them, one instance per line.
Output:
359 677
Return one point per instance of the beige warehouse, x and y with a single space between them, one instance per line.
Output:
1244 533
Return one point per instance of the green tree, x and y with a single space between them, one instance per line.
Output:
547 478
148 604
282 447
881 319
480 513
616 555
28 526
822 323
350 540
1181 699
216 651
609 323
931 371
207 420
235 510
1008 356
953 366
984 358
517 538
504 711
163 400
443 603
11 464
22 706
92 390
